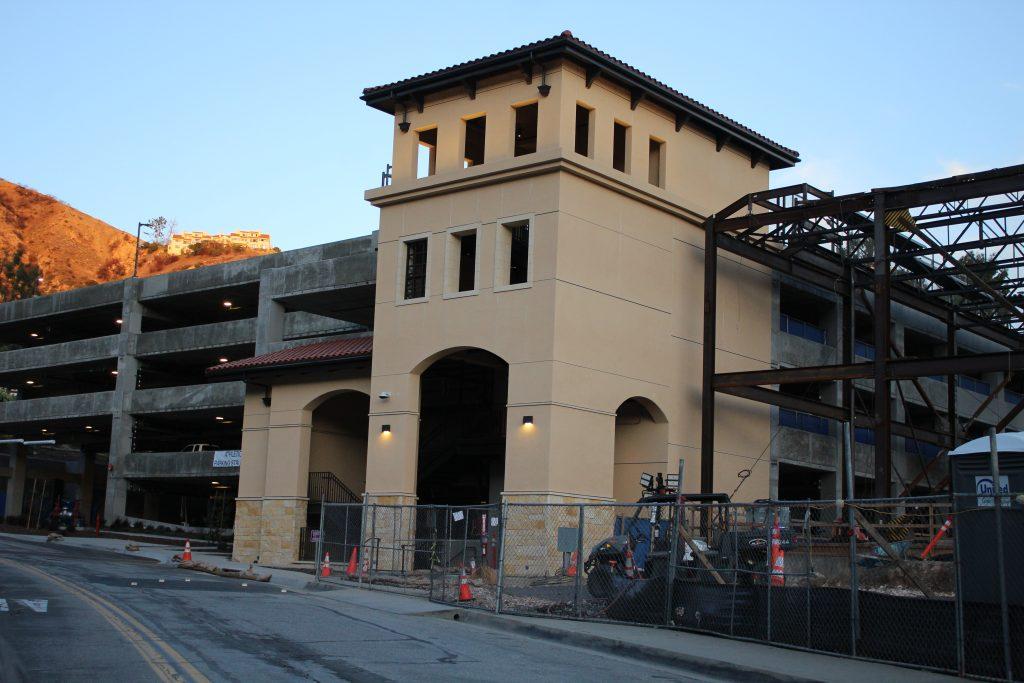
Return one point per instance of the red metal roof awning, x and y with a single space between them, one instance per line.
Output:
351 348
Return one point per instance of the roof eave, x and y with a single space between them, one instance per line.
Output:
386 99
217 374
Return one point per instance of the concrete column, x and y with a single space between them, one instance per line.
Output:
16 483
122 422
86 486
392 456
269 319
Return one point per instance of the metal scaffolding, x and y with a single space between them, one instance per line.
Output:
952 249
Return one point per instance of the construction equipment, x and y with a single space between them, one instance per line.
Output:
640 550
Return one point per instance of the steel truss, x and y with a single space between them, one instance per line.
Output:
952 249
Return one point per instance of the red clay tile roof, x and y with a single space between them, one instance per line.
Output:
320 352
572 46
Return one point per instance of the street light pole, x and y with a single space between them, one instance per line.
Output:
138 242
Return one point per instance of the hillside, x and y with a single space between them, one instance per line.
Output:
74 249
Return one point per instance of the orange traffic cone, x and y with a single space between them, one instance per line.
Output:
778 557
465 594
187 555
630 567
325 568
353 563
571 571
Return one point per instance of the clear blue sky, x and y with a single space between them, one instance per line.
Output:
235 115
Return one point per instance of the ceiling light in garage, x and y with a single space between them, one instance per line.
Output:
222 360
34 335
113 372
227 304
214 483
218 418
119 321
30 381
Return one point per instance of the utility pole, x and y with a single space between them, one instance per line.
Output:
138 243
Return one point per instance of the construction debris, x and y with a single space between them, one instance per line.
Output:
246 574
131 547
54 537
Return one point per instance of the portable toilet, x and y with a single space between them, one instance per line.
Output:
974 524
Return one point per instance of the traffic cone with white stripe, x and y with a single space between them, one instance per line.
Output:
465 594
778 557
571 571
325 568
353 564
630 567
187 555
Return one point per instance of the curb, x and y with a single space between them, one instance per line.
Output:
700 665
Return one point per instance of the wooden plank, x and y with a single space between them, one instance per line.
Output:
700 555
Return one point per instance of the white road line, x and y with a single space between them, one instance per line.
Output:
35 605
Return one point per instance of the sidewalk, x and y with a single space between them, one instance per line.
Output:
709 655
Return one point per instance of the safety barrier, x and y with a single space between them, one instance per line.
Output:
899 580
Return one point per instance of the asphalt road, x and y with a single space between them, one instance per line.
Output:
108 617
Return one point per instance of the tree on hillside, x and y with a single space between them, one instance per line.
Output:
19 279
161 229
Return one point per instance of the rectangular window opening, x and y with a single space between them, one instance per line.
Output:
620 147
426 154
416 269
519 252
526 129
467 262
582 130
654 171
476 132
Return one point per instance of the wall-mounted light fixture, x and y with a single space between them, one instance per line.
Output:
543 88
404 125
527 419
385 429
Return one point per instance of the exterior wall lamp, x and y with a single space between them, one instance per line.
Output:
404 125
385 429
528 420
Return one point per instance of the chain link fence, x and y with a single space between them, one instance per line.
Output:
925 581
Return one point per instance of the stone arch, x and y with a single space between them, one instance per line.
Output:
460 455
339 427
641 445
431 359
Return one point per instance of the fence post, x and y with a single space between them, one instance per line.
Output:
579 561
673 555
852 531
961 664
319 543
501 557
809 569
769 523
997 502
363 551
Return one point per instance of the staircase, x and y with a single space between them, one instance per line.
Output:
325 487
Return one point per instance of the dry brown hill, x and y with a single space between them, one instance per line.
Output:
74 249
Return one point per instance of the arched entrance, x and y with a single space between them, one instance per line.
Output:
461 451
337 447
641 445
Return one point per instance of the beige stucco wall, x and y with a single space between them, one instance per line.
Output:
612 310
615 306
280 446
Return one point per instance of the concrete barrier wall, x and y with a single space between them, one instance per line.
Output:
56 407
172 465
62 302
66 353
210 336
192 397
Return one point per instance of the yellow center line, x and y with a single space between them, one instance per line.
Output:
128 626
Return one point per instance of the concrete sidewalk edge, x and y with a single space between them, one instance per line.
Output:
630 650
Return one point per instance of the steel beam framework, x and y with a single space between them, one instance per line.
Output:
951 248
